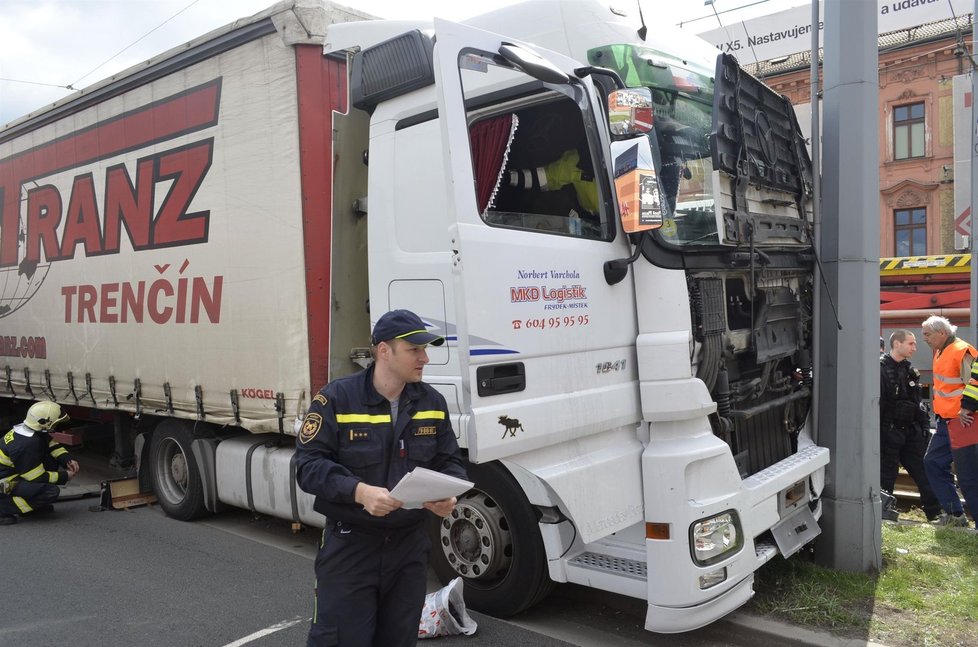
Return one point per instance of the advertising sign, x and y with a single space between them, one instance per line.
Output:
788 32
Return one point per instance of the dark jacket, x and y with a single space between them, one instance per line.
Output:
35 458
901 400
347 437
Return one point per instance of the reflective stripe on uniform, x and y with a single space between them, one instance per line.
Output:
363 417
22 504
34 473
429 415
5 460
971 390
60 451
951 367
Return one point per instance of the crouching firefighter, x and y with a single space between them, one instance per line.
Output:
32 464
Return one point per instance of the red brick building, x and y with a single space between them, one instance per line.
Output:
916 132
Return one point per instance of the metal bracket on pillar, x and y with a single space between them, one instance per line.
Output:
137 392
10 381
235 407
199 396
27 382
71 386
47 384
88 388
280 409
115 399
167 393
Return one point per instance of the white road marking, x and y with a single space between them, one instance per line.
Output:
285 624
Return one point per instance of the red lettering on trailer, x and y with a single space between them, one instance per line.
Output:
258 394
182 168
24 346
126 203
164 300
43 218
130 204
81 220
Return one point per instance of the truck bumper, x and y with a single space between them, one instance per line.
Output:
670 620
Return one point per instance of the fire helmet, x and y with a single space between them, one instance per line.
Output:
43 416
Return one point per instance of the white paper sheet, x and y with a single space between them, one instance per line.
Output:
420 485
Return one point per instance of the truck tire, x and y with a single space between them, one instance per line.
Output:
492 541
173 470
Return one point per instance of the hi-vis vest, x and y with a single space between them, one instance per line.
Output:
948 383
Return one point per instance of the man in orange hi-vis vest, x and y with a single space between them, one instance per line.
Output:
952 370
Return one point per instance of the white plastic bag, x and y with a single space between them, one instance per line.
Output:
444 613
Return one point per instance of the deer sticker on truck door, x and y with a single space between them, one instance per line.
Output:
510 425
59 220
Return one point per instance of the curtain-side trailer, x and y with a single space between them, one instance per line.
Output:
193 247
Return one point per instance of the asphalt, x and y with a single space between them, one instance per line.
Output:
96 470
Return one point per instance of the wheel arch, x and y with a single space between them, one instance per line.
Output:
495 533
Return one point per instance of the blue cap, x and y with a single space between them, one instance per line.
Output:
404 324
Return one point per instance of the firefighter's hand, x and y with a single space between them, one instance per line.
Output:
966 417
375 500
442 507
73 468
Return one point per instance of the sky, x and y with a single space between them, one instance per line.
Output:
46 45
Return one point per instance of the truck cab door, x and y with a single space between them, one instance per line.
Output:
546 345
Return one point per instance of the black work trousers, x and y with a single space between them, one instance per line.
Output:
28 496
907 446
370 587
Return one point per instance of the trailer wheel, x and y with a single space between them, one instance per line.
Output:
176 479
492 540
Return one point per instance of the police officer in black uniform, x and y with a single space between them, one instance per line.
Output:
904 425
362 434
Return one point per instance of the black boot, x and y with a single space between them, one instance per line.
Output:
890 512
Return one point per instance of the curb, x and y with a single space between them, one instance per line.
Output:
797 634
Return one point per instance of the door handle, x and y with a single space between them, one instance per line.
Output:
497 379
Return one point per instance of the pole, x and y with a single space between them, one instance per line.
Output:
974 183
816 188
848 372
816 125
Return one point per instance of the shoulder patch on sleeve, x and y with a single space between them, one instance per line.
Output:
310 427
320 398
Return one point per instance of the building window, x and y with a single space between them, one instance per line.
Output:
908 131
910 229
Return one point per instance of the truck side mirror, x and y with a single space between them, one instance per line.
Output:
630 112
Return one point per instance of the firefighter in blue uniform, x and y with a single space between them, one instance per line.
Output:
362 434
32 465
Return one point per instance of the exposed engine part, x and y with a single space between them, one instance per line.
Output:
708 313
722 396
751 350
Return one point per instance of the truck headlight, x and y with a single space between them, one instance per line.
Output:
716 538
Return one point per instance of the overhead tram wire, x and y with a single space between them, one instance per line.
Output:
684 22
70 86
50 85
961 41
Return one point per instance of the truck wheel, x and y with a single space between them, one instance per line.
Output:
492 540
176 479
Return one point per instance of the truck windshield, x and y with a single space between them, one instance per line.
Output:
682 96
